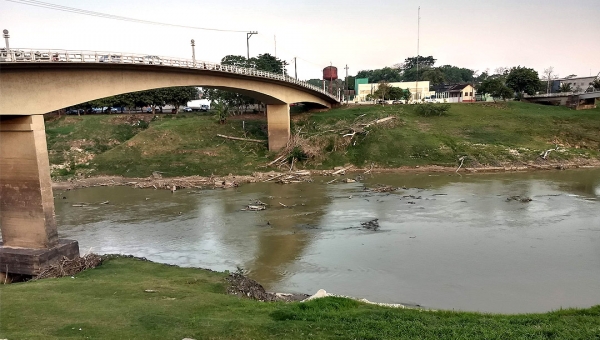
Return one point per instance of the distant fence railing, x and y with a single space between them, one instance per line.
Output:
559 94
66 56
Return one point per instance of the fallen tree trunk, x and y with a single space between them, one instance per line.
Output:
243 139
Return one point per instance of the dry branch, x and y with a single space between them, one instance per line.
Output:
341 171
243 139
66 267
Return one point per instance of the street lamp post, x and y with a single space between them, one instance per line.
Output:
194 52
248 35
6 36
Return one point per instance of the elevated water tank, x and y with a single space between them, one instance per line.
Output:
330 73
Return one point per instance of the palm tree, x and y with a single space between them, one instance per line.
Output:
565 87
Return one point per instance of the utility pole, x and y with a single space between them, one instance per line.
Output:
275 41
346 81
418 41
295 69
194 52
248 35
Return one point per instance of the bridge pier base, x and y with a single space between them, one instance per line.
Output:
278 120
29 236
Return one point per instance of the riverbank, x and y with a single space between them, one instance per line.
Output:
157 181
478 136
133 299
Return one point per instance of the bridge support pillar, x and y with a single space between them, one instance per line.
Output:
29 236
278 120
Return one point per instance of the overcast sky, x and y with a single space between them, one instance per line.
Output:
362 34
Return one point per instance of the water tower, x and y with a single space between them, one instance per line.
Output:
330 73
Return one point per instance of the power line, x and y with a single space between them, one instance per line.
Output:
73 10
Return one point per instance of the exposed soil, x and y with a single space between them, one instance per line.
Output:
158 182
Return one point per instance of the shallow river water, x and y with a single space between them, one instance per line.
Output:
445 241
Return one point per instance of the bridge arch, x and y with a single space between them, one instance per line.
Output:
34 83
38 88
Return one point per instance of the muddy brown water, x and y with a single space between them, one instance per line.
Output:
445 241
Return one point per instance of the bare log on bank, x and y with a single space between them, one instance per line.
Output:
243 139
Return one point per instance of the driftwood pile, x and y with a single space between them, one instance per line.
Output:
66 267
290 177
519 199
381 188
255 206
244 287
371 225
361 129
308 145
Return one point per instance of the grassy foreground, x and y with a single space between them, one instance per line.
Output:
110 302
487 134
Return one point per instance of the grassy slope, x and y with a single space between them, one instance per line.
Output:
187 144
109 302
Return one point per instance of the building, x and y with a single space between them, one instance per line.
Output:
578 84
418 90
455 93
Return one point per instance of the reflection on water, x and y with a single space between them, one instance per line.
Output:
446 241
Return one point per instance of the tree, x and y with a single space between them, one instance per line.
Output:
548 77
483 76
269 63
395 93
496 88
383 90
596 84
565 87
388 74
221 111
434 75
350 81
457 75
179 96
424 62
406 95
523 80
235 60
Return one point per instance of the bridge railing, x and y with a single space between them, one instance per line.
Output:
66 56
546 95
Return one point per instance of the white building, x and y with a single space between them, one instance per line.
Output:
418 90
578 84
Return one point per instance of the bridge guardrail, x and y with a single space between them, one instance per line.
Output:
559 94
67 56
545 95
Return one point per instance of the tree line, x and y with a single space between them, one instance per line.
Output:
156 99
503 82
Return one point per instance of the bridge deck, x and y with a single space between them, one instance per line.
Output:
68 56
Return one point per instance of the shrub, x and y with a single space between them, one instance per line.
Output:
432 109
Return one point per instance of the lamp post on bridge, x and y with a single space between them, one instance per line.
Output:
6 36
194 52
248 35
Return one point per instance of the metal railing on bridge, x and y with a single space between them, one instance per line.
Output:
67 56
558 94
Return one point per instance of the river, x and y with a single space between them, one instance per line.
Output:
446 241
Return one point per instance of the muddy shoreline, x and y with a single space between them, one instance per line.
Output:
156 181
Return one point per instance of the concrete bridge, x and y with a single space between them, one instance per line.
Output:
576 101
34 82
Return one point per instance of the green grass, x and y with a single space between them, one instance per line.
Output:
186 144
109 302
71 139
